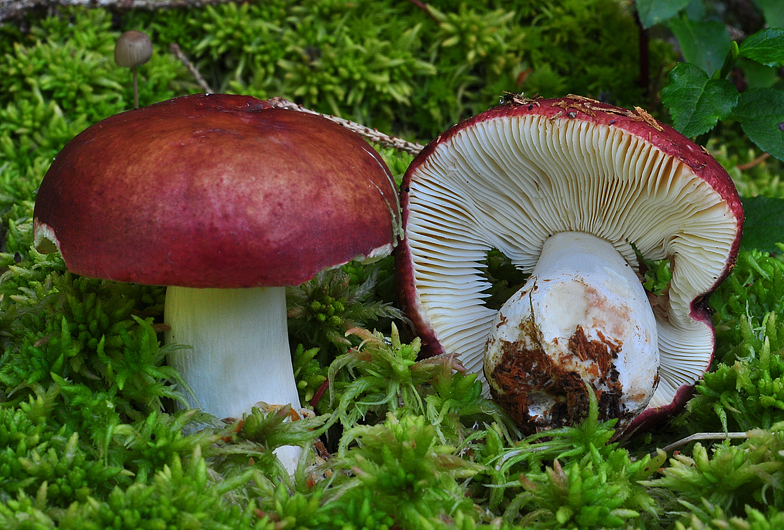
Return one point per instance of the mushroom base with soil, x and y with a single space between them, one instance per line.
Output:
581 321
240 352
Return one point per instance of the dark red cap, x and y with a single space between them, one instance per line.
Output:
216 191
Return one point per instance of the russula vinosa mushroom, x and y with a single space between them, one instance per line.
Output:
133 49
226 201
567 188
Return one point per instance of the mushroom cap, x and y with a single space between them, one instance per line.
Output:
516 174
215 191
133 48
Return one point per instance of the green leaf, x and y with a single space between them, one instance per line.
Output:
652 12
765 47
703 43
761 113
758 75
764 225
695 10
774 12
697 102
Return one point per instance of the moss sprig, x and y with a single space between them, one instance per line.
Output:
707 516
383 375
321 310
733 478
39 454
745 388
182 494
413 478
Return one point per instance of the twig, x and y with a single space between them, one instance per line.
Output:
372 135
175 49
12 8
706 436
366 132
757 161
424 7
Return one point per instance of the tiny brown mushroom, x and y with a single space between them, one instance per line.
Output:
133 49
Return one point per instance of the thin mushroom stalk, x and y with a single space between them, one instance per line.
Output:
133 49
135 71
240 352
581 323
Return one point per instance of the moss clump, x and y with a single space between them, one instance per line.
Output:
406 68
745 388
90 434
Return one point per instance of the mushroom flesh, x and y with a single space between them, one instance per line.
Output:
567 189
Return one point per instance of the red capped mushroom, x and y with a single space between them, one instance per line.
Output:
566 188
226 201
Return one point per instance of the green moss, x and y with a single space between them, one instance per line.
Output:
400 68
745 388
753 173
36 455
706 516
589 49
57 79
728 478
90 436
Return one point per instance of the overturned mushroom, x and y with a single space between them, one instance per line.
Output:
565 188
226 201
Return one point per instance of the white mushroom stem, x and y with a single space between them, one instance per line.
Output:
582 315
240 352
